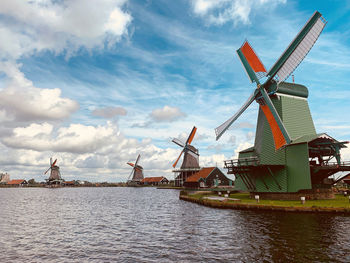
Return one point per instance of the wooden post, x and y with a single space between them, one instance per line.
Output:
257 198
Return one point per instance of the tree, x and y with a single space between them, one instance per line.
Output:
31 181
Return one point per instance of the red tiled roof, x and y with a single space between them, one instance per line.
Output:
16 181
152 179
203 173
347 178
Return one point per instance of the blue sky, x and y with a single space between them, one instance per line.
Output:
95 84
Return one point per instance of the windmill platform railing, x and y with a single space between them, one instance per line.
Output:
248 161
341 164
187 169
241 166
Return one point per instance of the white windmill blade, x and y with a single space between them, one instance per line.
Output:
50 161
137 160
178 142
132 170
298 48
223 127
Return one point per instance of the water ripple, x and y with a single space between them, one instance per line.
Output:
150 225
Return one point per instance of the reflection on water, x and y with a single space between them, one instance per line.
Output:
150 225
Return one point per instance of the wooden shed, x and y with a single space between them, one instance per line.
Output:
207 177
17 182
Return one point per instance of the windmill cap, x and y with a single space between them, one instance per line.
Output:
293 89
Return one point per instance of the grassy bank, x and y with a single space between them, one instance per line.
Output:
243 201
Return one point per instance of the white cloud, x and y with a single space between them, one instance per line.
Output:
76 138
103 160
167 114
117 22
212 160
32 26
219 12
241 147
202 7
33 130
21 101
109 112
345 154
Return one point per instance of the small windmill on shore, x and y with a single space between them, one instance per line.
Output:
190 163
55 174
136 174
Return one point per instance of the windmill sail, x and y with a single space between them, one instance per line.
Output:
279 132
278 137
298 48
178 158
284 66
219 131
251 62
190 138
178 142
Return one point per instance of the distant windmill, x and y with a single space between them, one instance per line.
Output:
55 175
190 163
136 174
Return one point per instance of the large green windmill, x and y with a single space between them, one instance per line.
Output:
288 155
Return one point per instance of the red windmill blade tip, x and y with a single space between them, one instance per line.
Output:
193 132
53 164
131 164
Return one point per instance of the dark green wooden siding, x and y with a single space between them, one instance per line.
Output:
296 117
298 167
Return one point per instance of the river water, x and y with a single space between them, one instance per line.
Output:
151 225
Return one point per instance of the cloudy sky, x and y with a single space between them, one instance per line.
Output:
94 83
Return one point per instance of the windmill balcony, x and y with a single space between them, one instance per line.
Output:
248 161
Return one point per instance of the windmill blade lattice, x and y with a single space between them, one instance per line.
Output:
178 142
298 48
219 131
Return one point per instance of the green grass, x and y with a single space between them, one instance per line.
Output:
339 201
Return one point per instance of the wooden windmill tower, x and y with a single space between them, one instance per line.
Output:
55 175
190 163
136 174
288 155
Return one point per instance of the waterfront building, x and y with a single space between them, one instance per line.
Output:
207 177
18 182
161 180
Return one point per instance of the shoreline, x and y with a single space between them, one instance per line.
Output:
225 204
